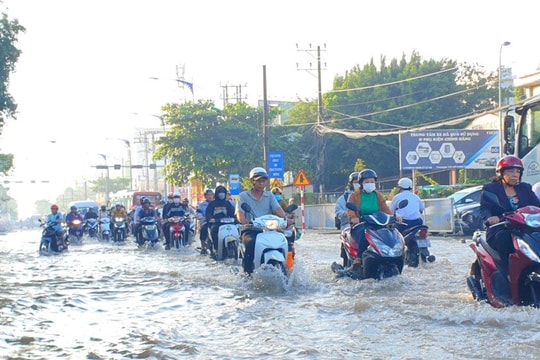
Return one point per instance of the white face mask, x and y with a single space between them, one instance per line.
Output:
369 187
356 186
176 201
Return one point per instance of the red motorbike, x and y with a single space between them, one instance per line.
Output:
520 284
177 231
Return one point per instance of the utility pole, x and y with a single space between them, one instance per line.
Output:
320 176
265 121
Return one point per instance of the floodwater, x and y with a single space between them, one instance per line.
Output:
100 301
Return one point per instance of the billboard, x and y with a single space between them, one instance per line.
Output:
449 149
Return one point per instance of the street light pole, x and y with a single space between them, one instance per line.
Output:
130 170
501 125
106 179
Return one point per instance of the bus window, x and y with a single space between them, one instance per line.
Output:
529 131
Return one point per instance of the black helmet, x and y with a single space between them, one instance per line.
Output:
103 207
367 174
220 189
145 200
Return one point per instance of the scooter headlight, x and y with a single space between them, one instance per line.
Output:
526 249
271 224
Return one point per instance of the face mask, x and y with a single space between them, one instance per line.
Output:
176 201
221 196
278 197
356 186
369 187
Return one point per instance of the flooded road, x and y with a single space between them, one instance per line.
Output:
100 301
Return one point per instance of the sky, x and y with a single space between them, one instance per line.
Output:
86 70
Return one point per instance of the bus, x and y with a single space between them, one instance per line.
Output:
130 199
522 137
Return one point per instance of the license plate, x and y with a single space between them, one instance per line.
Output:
423 243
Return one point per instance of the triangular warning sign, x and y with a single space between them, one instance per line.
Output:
302 179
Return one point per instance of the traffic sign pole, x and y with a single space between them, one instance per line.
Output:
302 209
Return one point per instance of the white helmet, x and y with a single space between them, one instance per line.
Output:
176 195
405 183
258 172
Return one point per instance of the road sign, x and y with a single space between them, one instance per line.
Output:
275 164
275 183
302 179
234 184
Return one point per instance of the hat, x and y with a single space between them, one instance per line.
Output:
208 191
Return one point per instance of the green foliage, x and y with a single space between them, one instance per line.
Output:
207 143
9 54
6 163
362 101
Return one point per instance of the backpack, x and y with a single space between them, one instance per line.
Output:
337 220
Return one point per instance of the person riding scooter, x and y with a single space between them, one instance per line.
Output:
368 201
217 209
512 194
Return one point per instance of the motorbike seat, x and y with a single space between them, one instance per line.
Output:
413 229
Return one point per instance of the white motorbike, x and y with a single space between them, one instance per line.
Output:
271 246
105 228
228 239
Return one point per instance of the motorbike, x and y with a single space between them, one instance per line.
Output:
417 246
271 246
519 284
228 239
105 228
149 232
384 256
177 231
91 227
76 231
50 242
119 229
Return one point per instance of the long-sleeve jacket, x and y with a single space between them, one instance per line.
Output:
523 191
357 199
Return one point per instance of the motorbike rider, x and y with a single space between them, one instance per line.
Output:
512 194
201 216
119 212
176 208
90 214
262 202
73 215
368 200
145 211
410 215
278 194
103 212
340 210
56 217
217 209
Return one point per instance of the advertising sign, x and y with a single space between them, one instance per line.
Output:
449 149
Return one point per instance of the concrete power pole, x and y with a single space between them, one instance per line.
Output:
320 177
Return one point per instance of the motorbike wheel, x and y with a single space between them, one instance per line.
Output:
475 284
278 265
232 250
44 246
411 256
346 262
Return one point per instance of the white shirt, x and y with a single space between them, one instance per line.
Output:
414 208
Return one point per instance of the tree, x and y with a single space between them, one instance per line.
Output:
207 143
398 95
9 54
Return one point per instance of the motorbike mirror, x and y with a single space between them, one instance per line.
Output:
291 208
246 207
351 206
403 204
